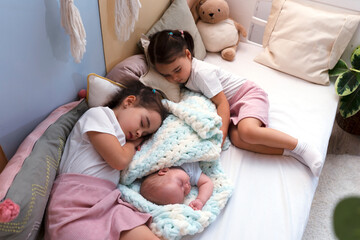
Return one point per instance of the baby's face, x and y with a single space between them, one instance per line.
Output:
177 186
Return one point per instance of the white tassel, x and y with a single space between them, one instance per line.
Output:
126 14
72 23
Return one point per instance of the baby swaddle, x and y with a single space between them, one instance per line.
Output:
190 133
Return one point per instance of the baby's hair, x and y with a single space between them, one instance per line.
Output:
167 45
146 97
150 186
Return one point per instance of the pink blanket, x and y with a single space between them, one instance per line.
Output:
85 207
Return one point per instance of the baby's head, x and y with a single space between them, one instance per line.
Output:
167 186
171 51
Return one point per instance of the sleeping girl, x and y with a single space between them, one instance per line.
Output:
242 105
84 201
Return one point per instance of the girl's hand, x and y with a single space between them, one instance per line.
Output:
137 143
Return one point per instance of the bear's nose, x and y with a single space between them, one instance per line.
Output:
211 14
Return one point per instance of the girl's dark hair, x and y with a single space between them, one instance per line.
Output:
167 45
146 97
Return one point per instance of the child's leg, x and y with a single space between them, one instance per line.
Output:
250 135
235 138
140 232
250 131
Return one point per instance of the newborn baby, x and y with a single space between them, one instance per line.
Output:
172 185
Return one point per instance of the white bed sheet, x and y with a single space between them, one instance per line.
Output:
273 194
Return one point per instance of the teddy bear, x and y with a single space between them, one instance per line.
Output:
218 31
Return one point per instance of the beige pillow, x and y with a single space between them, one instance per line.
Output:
179 17
306 39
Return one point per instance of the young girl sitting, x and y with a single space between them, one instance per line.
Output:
84 201
172 185
242 105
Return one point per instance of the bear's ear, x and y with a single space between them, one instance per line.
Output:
201 2
194 8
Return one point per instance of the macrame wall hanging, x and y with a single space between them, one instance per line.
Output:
126 14
72 23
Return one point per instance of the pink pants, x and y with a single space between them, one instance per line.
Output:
249 101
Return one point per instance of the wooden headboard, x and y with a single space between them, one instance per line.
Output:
116 50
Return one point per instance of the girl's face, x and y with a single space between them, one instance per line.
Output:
178 71
136 121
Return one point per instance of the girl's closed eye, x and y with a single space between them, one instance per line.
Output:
145 124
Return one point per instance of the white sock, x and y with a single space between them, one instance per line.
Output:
308 155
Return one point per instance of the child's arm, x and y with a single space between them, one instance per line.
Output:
223 110
110 149
205 187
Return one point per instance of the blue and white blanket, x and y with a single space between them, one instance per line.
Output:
190 133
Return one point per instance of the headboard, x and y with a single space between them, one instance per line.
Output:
38 72
116 50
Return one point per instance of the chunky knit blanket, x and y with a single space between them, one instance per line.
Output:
190 133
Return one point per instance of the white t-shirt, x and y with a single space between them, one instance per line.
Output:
193 170
210 80
79 154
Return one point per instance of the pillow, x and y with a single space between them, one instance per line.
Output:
130 69
100 90
154 80
178 16
32 171
135 68
306 39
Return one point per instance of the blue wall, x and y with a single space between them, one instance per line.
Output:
38 73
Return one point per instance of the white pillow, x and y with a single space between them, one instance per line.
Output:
100 90
306 39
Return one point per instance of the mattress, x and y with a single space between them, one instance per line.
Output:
273 194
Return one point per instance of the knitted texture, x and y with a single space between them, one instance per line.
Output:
190 133
8 211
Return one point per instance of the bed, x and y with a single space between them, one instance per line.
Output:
271 195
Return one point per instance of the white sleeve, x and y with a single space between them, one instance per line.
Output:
95 119
208 82
204 78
